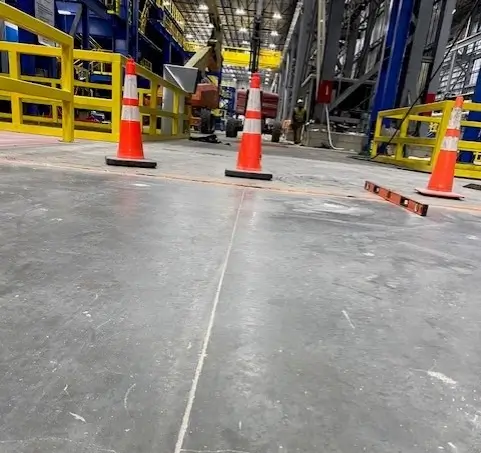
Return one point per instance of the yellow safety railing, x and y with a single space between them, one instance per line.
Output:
152 113
20 90
113 6
173 29
415 140
98 106
172 9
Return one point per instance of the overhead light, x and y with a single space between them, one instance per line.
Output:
274 33
243 30
189 36
240 11
203 7
277 16
245 43
272 46
210 26
454 10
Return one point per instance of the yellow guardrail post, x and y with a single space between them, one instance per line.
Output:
403 132
154 93
443 125
377 134
116 94
67 85
175 111
16 103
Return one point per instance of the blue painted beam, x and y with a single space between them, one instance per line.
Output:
134 30
97 7
396 40
383 70
472 134
401 36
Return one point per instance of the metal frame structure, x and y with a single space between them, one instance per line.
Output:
353 57
238 19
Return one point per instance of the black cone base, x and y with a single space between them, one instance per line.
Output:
249 175
139 163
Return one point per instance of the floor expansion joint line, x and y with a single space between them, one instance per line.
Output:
200 364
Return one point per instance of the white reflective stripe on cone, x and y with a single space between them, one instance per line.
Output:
450 144
130 87
254 101
252 126
455 119
130 113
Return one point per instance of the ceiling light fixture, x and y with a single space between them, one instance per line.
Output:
272 46
240 11
277 16
274 33
203 7
243 30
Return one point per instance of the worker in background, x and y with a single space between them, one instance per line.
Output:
299 117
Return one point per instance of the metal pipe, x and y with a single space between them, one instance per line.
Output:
321 39
307 80
288 78
292 28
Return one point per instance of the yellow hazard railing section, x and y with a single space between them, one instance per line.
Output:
96 107
413 139
152 113
20 90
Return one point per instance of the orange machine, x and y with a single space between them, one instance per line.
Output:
203 101
206 96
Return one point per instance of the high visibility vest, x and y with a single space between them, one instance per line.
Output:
299 114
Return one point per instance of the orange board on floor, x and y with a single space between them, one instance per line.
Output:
397 199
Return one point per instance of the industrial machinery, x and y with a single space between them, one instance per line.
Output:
269 104
207 60
269 101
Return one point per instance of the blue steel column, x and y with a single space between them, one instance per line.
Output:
27 62
411 87
85 27
472 133
167 51
395 43
401 35
134 30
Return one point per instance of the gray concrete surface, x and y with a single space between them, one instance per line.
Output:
296 169
169 311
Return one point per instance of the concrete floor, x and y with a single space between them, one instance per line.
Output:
146 313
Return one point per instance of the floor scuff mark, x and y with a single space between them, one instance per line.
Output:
77 417
126 397
346 315
442 377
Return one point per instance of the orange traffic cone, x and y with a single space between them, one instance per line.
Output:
250 151
130 152
442 177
